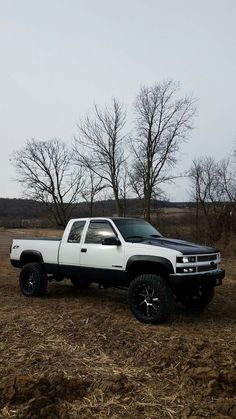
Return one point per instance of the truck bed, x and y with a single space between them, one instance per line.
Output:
48 247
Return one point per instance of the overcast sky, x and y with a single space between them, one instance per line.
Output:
58 57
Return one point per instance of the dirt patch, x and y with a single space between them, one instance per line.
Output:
43 397
81 354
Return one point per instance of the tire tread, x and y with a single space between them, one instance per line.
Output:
41 281
165 311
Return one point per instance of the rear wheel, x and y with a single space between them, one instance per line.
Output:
33 280
80 283
198 298
150 299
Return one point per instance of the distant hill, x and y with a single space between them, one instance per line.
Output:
19 207
26 212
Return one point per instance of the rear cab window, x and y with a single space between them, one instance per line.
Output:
76 232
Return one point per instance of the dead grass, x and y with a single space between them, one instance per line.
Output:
81 354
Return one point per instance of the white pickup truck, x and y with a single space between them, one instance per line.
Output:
122 252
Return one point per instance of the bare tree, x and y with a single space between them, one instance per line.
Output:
163 121
92 187
45 170
100 146
125 187
227 179
105 200
210 190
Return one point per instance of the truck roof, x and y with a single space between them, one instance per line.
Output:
107 218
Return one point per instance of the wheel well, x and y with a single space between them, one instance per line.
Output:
30 258
140 267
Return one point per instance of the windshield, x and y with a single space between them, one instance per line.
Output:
135 230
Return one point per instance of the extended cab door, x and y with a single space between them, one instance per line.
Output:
70 249
96 256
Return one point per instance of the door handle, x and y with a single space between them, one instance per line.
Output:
83 250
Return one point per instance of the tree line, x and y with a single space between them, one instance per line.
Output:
105 160
213 188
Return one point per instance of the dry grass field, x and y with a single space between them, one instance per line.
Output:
81 354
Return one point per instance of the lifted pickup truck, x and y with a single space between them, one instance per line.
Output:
122 252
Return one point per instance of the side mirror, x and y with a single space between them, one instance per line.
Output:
111 241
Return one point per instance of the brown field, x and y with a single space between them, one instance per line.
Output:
81 354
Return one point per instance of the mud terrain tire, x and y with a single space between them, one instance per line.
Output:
33 280
198 299
150 299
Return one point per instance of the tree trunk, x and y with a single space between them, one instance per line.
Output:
147 206
119 208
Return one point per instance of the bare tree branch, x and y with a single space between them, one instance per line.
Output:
93 186
163 121
45 169
213 190
100 147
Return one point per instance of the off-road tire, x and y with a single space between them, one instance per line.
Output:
33 280
150 299
198 299
80 283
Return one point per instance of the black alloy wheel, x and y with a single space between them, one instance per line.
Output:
33 280
150 299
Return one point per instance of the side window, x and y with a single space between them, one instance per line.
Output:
98 230
76 232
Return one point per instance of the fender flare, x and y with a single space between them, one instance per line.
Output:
36 253
146 258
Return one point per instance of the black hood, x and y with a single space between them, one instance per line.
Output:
186 248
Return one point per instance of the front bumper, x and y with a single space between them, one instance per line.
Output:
211 278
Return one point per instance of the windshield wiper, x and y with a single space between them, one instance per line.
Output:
154 235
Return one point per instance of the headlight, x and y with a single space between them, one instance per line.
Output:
186 259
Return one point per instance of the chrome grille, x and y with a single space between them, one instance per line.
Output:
203 263
205 258
206 268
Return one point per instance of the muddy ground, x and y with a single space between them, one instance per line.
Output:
81 354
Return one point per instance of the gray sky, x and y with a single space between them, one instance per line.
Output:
60 56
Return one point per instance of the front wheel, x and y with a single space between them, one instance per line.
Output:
198 298
33 280
150 299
